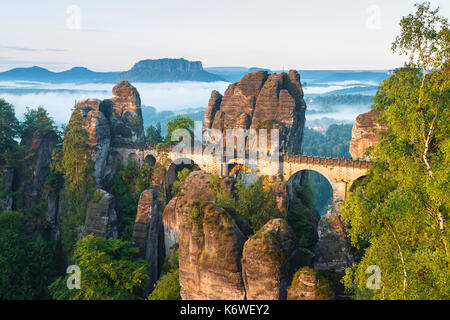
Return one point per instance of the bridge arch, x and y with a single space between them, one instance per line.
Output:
150 159
356 183
133 157
177 165
320 185
340 173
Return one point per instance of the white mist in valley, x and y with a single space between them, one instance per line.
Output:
59 99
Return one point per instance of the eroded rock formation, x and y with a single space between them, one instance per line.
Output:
269 260
333 250
42 148
261 101
209 254
166 70
195 187
98 128
307 285
146 232
6 180
101 217
365 133
112 121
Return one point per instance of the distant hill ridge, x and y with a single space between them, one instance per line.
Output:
77 74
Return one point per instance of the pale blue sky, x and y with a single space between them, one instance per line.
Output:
320 34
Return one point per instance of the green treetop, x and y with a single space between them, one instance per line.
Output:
401 209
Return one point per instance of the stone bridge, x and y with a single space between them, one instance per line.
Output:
341 173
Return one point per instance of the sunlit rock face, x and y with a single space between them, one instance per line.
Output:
307 285
261 101
333 250
126 121
6 199
98 128
108 122
365 133
146 233
101 217
210 255
42 147
269 260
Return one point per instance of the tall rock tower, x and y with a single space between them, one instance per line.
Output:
261 100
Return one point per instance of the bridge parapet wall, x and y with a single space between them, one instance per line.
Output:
326 161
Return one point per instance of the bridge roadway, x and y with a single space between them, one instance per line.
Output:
340 172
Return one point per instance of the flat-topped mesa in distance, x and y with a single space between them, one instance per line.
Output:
261 101
166 70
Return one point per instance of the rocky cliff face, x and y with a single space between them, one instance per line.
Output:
269 260
365 133
98 128
117 120
333 250
146 232
101 217
6 180
126 121
209 255
195 187
307 285
42 148
261 101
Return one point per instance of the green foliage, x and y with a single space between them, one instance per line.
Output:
26 264
424 38
268 125
153 134
324 289
180 122
76 159
110 270
303 227
58 289
168 286
334 143
128 183
401 208
126 209
98 195
255 204
10 130
181 176
55 181
197 214
37 122
74 216
326 102
303 218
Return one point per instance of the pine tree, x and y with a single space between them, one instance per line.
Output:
76 161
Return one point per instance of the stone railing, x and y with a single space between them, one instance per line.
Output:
284 157
326 161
